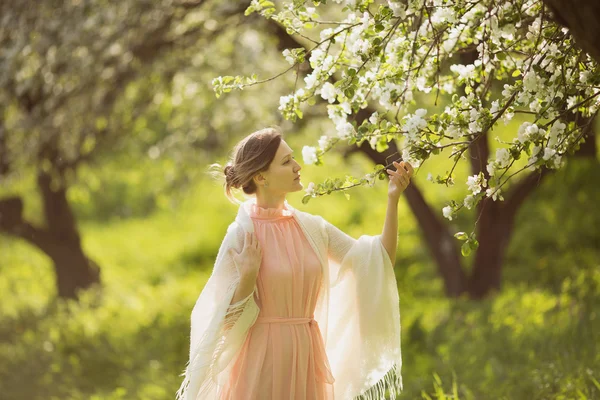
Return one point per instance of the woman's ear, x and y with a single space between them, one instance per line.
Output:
259 179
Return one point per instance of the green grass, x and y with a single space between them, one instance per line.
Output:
538 339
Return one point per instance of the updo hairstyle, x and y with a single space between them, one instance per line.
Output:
251 155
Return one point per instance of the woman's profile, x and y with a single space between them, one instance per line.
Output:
294 308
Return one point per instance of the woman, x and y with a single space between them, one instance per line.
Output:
295 308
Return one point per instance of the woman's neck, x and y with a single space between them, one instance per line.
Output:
277 202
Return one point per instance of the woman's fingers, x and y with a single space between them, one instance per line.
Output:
401 171
398 176
401 175
410 169
399 168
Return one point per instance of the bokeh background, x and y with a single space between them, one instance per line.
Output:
109 223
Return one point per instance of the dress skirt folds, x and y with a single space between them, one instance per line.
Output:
283 355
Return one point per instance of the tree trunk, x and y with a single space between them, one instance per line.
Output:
493 234
59 240
74 270
582 18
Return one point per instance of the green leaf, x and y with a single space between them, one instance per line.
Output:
516 73
461 236
465 249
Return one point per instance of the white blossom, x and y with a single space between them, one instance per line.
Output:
328 92
323 141
373 117
288 56
491 168
475 183
447 211
557 161
309 154
584 77
344 129
495 107
548 153
310 190
284 102
502 157
316 57
531 81
415 122
469 201
311 80
397 8
494 193
507 117
464 71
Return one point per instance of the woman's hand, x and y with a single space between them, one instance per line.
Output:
399 179
249 259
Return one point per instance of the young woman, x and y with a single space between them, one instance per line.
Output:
295 308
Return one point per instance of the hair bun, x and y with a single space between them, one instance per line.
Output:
229 173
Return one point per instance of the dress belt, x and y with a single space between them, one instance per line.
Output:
284 320
322 367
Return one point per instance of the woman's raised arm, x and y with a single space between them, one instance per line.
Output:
399 181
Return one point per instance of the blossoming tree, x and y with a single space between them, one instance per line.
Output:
75 81
486 60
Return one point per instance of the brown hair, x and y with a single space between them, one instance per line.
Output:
251 155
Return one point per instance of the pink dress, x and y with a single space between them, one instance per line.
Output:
283 356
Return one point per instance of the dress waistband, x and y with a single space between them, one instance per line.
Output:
284 320
319 354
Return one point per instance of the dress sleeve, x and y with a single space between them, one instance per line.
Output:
238 319
236 310
339 242
212 347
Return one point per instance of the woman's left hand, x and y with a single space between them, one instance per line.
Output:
399 179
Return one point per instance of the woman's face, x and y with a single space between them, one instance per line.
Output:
282 173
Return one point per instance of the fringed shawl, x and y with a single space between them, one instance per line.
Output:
357 311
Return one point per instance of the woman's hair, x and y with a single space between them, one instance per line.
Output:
251 155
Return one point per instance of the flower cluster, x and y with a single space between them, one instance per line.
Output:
385 56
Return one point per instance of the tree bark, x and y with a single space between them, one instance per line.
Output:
582 18
59 240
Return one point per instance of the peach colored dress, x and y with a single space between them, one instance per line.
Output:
283 356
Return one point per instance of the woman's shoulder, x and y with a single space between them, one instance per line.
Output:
315 221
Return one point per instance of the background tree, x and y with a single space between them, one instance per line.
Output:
389 53
75 77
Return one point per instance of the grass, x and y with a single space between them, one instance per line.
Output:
537 339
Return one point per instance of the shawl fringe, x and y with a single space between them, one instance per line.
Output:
390 385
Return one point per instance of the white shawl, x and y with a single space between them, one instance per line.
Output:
357 311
